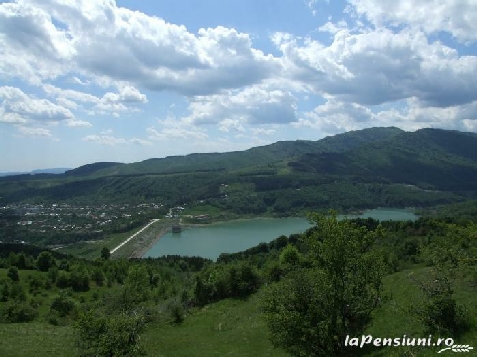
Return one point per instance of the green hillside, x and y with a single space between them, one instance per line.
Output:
355 170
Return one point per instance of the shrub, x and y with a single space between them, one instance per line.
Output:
13 274
18 311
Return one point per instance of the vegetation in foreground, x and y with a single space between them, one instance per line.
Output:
298 295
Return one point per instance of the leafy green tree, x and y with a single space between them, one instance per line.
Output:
115 335
13 274
45 261
18 311
98 276
62 304
438 310
63 279
137 287
79 279
290 258
5 287
105 253
311 312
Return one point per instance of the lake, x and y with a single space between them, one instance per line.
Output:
235 236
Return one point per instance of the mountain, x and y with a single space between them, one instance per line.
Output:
90 169
354 170
262 155
440 159
54 171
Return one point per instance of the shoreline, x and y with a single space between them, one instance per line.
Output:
144 246
143 249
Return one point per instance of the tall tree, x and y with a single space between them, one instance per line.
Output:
311 312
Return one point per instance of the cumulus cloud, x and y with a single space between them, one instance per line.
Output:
334 117
21 107
127 94
459 18
31 46
171 128
253 105
111 102
101 40
381 66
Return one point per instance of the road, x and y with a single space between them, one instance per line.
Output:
134 235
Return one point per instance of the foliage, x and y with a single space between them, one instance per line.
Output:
18 311
221 281
312 311
116 335
105 253
13 274
63 304
45 261
438 309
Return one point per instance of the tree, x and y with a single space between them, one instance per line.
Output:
45 261
290 258
13 274
311 312
115 335
105 253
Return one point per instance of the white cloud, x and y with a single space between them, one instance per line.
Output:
105 140
253 105
78 124
31 47
21 106
459 18
381 66
127 94
263 131
334 117
42 132
109 103
140 142
104 42
172 128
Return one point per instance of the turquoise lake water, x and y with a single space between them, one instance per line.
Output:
235 236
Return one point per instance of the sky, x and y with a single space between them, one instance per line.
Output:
83 81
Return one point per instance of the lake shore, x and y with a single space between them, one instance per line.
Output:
149 240
151 237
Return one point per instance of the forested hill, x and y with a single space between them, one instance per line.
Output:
261 155
358 169
439 159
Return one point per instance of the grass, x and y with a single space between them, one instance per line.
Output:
36 339
395 317
92 249
235 327
227 328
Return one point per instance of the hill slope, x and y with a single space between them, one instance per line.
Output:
352 170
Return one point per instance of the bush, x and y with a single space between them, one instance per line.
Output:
177 312
116 335
45 261
13 274
18 311
63 305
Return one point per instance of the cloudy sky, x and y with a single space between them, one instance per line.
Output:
103 80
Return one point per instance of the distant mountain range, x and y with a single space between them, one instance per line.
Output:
358 169
56 171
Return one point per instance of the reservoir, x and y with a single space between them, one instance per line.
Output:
235 236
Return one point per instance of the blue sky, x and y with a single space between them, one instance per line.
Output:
85 81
